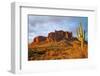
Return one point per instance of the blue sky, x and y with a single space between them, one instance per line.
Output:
42 25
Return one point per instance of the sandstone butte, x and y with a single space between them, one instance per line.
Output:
57 45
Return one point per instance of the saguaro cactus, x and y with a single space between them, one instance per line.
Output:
81 35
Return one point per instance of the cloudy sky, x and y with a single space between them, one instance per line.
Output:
42 25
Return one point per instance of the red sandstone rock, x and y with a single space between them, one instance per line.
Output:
54 36
39 39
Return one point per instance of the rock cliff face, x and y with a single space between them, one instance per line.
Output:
59 35
39 39
54 36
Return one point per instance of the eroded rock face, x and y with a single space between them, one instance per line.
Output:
39 39
68 35
54 36
59 35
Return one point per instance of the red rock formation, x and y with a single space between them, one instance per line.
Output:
48 39
59 35
51 36
68 35
54 36
39 39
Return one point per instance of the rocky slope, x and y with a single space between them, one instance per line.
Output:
57 48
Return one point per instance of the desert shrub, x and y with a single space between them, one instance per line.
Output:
35 54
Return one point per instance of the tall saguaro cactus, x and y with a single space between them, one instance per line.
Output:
81 35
